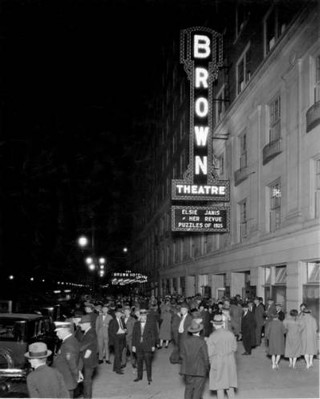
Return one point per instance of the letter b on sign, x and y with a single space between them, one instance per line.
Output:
201 46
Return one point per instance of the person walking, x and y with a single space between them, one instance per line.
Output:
102 330
185 322
43 381
67 359
88 354
165 327
293 348
259 319
235 316
222 346
117 336
275 331
194 362
308 337
248 328
143 343
129 320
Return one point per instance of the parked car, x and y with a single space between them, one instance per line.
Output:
17 332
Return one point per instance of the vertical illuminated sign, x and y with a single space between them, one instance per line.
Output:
201 54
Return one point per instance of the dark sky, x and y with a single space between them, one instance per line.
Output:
77 78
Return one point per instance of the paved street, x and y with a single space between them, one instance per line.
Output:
256 379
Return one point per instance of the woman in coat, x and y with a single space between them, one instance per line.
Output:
308 337
222 346
275 334
293 340
165 327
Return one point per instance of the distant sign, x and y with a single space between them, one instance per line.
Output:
212 219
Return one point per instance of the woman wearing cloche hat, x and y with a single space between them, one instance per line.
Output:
43 381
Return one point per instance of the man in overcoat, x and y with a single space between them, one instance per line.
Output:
117 337
195 362
44 381
102 330
67 359
259 319
88 354
248 329
144 343
184 324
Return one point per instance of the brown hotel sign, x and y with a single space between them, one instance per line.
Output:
201 54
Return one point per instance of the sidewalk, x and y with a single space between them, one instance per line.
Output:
256 379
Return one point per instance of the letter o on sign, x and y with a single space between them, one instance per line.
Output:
201 107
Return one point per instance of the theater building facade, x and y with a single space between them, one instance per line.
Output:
265 140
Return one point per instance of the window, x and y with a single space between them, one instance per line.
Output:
275 206
313 272
243 70
219 165
243 149
220 105
275 119
274 26
317 80
242 14
280 275
243 220
317 189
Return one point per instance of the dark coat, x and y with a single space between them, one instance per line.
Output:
114 328
194 356
248 326
259 315
89 341
46 382
67 361
148 338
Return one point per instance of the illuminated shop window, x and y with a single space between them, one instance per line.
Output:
313 272
243 69
275 206
281 275
275 119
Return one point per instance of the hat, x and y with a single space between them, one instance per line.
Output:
196 314
62 324
119 309
184 305
89 305
195 327
38 350
143 306
245 305
85 319
78 314
278 304
217 320
306 310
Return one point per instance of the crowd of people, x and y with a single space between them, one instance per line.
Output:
203 333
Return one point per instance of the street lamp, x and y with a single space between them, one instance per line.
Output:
83 241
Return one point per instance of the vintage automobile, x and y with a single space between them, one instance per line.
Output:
17 332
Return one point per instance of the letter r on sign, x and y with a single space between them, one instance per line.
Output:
201 46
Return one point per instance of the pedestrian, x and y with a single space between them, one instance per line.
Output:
89 309
222 346
129 320
165 327
117 336
235 317
275 331
88 354
293 348
248 329
308 337
144 343
43 381
67 359
102 330
77 332
259 319
195 362
185 322
280 312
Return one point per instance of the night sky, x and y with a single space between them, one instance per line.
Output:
77 80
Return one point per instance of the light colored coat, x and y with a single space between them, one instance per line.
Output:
222 345
309 335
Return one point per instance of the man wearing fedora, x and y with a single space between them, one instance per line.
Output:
67 359
102 330
185 322
88 354
144 343
195 362
44 381
117 338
